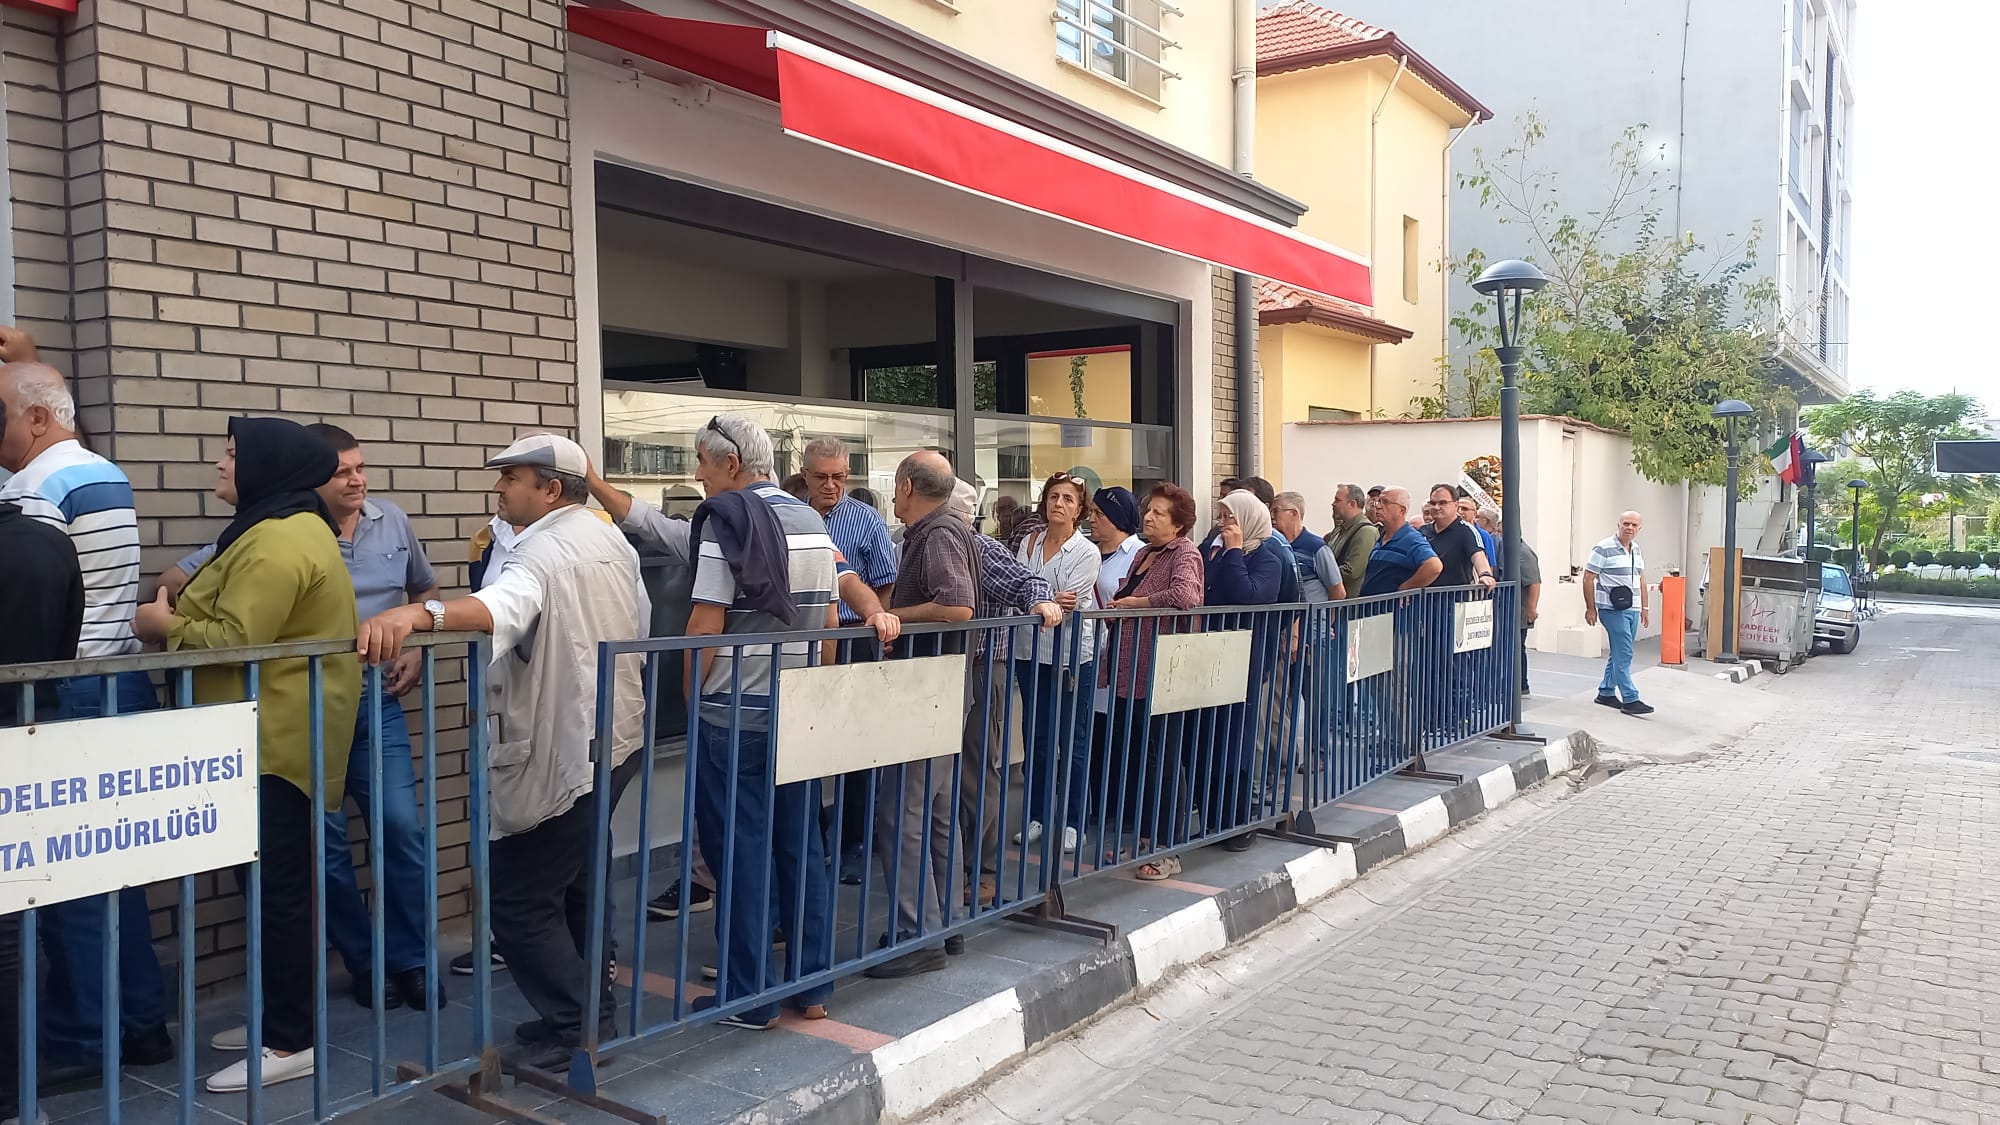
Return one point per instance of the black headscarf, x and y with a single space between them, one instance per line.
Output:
1120 507
279 465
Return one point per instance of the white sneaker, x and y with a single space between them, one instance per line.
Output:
1069 840
232 1039
277 1068
1033 833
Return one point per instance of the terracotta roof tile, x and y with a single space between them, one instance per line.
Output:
1298 34
1279 303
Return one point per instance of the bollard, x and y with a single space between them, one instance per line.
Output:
1673 619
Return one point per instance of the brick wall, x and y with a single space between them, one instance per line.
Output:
345 210
1229 459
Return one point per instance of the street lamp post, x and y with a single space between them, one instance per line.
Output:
1508 283
1729 410
1855 486
1813 460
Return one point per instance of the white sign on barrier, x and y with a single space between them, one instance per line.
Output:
1193 670
1471 626
838 718
1371 646
94 805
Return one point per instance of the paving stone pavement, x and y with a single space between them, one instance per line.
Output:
1802 928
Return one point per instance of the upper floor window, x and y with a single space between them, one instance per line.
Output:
1118 39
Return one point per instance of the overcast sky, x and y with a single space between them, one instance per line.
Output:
1926 290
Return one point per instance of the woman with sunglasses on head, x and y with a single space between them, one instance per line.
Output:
1059 721
277 576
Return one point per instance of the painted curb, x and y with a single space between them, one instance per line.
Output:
1741 672
921 1071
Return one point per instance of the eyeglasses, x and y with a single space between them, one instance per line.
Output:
715 424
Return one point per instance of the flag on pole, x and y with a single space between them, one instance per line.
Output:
1788 457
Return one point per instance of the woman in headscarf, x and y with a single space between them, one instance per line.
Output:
1241 571
277 576
1165 575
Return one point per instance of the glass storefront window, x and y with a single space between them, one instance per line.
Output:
1013 456
649 440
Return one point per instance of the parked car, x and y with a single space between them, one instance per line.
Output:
1838 624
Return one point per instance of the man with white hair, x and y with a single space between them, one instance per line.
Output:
570 582
87 498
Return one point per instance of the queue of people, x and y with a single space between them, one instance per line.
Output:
311 554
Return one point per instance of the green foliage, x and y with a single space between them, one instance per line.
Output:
1893 438
1640 329
1076 365
917 385
1982 587
1845 557
1924 557
1991 559
1900 559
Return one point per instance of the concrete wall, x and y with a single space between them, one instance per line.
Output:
1575 481
1192 111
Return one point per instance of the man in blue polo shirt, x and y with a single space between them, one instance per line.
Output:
389 569
1402 558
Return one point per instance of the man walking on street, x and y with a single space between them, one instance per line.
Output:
1614 593
60 483
388 566
570 582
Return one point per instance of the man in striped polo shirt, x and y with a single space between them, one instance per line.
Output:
59 482
1614 592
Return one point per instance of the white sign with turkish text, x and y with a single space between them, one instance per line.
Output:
94 805
1371 646
1471 626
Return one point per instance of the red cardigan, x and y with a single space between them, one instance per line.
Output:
1173 582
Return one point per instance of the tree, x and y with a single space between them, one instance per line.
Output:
1992 561
1924 558
1640 329
1893 438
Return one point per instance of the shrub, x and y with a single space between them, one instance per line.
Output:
1992 560
1923 557
1821 554
1987 588
1901 559
1845 557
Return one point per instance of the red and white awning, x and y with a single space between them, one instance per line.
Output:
836 101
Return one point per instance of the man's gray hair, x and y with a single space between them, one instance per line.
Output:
826 449
1296 501
574 489
38 384
733 433
1490 514
1352 493
1396 495
926 480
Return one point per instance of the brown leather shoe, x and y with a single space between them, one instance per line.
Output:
989 891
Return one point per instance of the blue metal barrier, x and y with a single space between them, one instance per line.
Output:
109 680
1215 723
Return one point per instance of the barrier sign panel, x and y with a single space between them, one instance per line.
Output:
1471 626
832 718
1193 670
1371 646
94 805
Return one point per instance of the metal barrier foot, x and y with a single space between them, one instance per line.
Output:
1516 734
557 1084
481 1091
1316 839
1051 914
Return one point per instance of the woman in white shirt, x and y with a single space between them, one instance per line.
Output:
1059 730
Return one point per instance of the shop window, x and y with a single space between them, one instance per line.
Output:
916 384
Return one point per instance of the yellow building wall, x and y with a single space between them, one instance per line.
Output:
1017 36
1305 366
1313 143
1107 386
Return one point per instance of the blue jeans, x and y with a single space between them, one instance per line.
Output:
1622 626
403 844
73 933
1058 741
774 829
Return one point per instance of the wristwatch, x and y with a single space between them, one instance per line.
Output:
436 609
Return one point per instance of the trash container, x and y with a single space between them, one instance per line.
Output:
1774 617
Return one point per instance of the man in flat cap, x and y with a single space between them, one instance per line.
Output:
570 581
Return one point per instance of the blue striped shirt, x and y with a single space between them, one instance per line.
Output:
1615 564
863 539
89 499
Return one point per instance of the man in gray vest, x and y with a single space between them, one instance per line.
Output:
570 581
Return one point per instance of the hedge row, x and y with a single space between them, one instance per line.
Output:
1893 583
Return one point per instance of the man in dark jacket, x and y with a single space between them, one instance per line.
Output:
41 600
